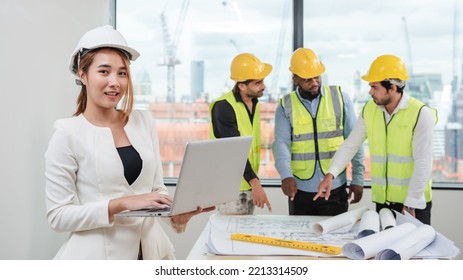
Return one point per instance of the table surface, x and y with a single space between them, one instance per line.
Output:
200 252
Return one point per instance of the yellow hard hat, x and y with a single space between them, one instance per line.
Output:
386 67
305 64
247 66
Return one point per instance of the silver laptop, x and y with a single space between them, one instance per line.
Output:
210 175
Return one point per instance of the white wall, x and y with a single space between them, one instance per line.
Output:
37 38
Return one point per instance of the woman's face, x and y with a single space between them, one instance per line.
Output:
106 80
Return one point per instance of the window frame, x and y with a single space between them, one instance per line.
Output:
298 41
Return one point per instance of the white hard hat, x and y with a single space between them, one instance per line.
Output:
103 36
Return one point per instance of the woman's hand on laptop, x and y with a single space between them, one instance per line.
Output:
135 202
185 217
179 222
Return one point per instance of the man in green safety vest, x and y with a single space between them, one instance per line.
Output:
310 124
399 129
237 113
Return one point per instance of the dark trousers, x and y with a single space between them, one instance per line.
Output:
303 203
423 215
140 253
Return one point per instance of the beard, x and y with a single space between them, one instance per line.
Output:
254 94
386 100
310 94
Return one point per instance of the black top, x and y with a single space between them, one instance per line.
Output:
132 163
224 124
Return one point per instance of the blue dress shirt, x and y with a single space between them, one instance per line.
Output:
282 146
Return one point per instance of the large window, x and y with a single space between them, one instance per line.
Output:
186 48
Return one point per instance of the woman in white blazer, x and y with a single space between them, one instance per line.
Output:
104 160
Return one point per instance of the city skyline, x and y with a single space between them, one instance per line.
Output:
423 33
347 36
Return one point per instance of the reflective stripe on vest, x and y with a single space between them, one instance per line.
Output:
314 138
391 152
245 128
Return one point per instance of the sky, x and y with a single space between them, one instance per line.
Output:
347 35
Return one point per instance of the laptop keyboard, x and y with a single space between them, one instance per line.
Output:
159 209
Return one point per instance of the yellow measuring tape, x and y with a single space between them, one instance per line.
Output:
308 246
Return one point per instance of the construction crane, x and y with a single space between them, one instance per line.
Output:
235 44
170 47
409 47
419 87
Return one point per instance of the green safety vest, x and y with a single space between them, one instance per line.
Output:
246 128
314 138
391 151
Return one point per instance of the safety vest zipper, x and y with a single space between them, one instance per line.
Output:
315 139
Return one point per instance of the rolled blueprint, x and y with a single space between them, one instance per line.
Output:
387 218
369 224
340 223
367 247
408 246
